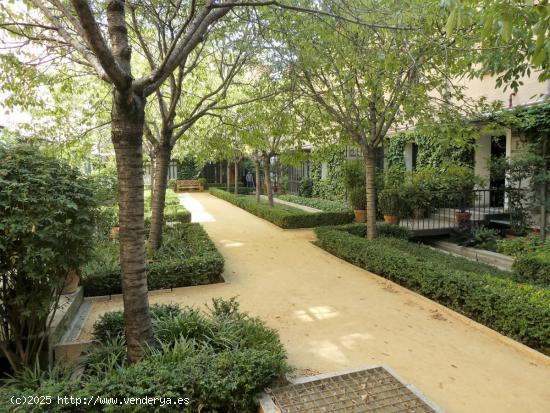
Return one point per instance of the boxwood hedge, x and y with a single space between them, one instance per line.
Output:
520 311
187 257
318 203
533 267
284 217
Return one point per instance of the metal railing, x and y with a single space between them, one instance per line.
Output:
445 211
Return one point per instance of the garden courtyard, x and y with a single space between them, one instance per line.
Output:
282 206
333 316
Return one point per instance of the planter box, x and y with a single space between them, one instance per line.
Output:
500 261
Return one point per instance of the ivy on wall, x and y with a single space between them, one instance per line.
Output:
433 152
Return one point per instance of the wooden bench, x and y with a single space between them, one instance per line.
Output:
188 185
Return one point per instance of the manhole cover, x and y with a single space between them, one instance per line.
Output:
371 390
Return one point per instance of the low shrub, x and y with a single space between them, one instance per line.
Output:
305 187
533 267
519 245
172 184
360 230
520 311
242 190
220 360
282 216
187 257
318 203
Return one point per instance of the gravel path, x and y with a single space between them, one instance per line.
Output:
333 316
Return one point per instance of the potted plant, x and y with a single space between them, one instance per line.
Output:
418 200
358 199
390 203
71 282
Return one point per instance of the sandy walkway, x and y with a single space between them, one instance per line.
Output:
333 316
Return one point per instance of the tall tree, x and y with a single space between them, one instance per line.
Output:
370 80
513 37
197 87
97 38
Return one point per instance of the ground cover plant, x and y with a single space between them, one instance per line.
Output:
187 257
220 360
518 310
284 216
318 203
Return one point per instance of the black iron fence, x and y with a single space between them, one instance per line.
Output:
442 211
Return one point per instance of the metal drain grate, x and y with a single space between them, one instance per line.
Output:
373 390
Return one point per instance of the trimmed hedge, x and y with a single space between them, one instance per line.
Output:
173 210
172 213
520 311
318 203
384 230
533 267
284 216
187 257
242 190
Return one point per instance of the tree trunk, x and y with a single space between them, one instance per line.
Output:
228 172
370 167
220 181
159 195
128 116
257 165
236 189
152 174
268 186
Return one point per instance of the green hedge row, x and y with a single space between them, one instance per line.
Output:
360 230
520 311
318 203
172 213
533 267
242 190
187 257
282 216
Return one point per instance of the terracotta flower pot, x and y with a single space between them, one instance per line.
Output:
360 215
391 219
463 217
419 213
71 282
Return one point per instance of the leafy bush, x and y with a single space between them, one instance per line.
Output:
482 237
519 245
390 201
305 187
353 174
284 217
220 361
110 326
533 267
203 182
318 203
104 183
187 257
358 198
46 228
518 310
172 184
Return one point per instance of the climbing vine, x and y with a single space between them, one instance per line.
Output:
433 152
